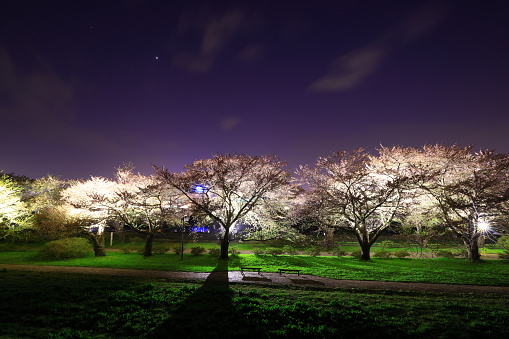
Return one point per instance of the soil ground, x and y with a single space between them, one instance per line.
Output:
288 279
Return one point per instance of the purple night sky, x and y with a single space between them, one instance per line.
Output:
86 86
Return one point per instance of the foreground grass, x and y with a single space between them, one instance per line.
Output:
453 271
46 305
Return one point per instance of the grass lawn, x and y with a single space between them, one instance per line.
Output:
57 305
457 271
50 305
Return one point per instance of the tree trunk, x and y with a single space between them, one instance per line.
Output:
329 241
365 251
98 240
473 249
147 250
364 243
225 242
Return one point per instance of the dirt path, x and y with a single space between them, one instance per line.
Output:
270 278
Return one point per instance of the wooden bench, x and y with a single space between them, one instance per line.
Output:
242 269
281 270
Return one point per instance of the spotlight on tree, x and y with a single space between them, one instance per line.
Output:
483 226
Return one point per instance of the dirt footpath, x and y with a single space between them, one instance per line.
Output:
288 279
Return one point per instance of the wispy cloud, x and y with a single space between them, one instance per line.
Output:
350 70
41 103
215 32
229 123
252 53
34 94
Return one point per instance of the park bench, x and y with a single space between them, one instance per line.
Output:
281 270
242 269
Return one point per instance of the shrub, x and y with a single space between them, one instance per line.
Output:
313 251
503 243
233 252
258 251
130 249
382 254
67 248
197 250
339 252
504 255
8 247
462 253
160 249
177 250
301 242
214 252
290 250
356 254
401 254
387 244
275 251
445 254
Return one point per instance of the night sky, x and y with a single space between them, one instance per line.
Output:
86 86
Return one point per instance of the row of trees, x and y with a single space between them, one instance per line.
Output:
426 189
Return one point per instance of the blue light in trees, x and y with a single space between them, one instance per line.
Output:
200 189
200 229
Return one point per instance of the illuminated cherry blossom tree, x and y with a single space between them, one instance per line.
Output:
421 221
357 191
309 213
51 217
274 219
14 213
227 188
145 204
91 202
139 201
468 189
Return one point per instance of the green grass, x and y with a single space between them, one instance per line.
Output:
49 305
452 271
456 271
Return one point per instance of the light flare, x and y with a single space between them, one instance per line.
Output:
483 226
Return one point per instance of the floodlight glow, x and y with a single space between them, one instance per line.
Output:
200 189
483 226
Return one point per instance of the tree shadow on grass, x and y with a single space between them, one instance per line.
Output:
209 312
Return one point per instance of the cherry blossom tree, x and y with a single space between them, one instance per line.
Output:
91 202
468 189
139 201
145 204
14 214
359 192
51 217
309 213
227 188
274 219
